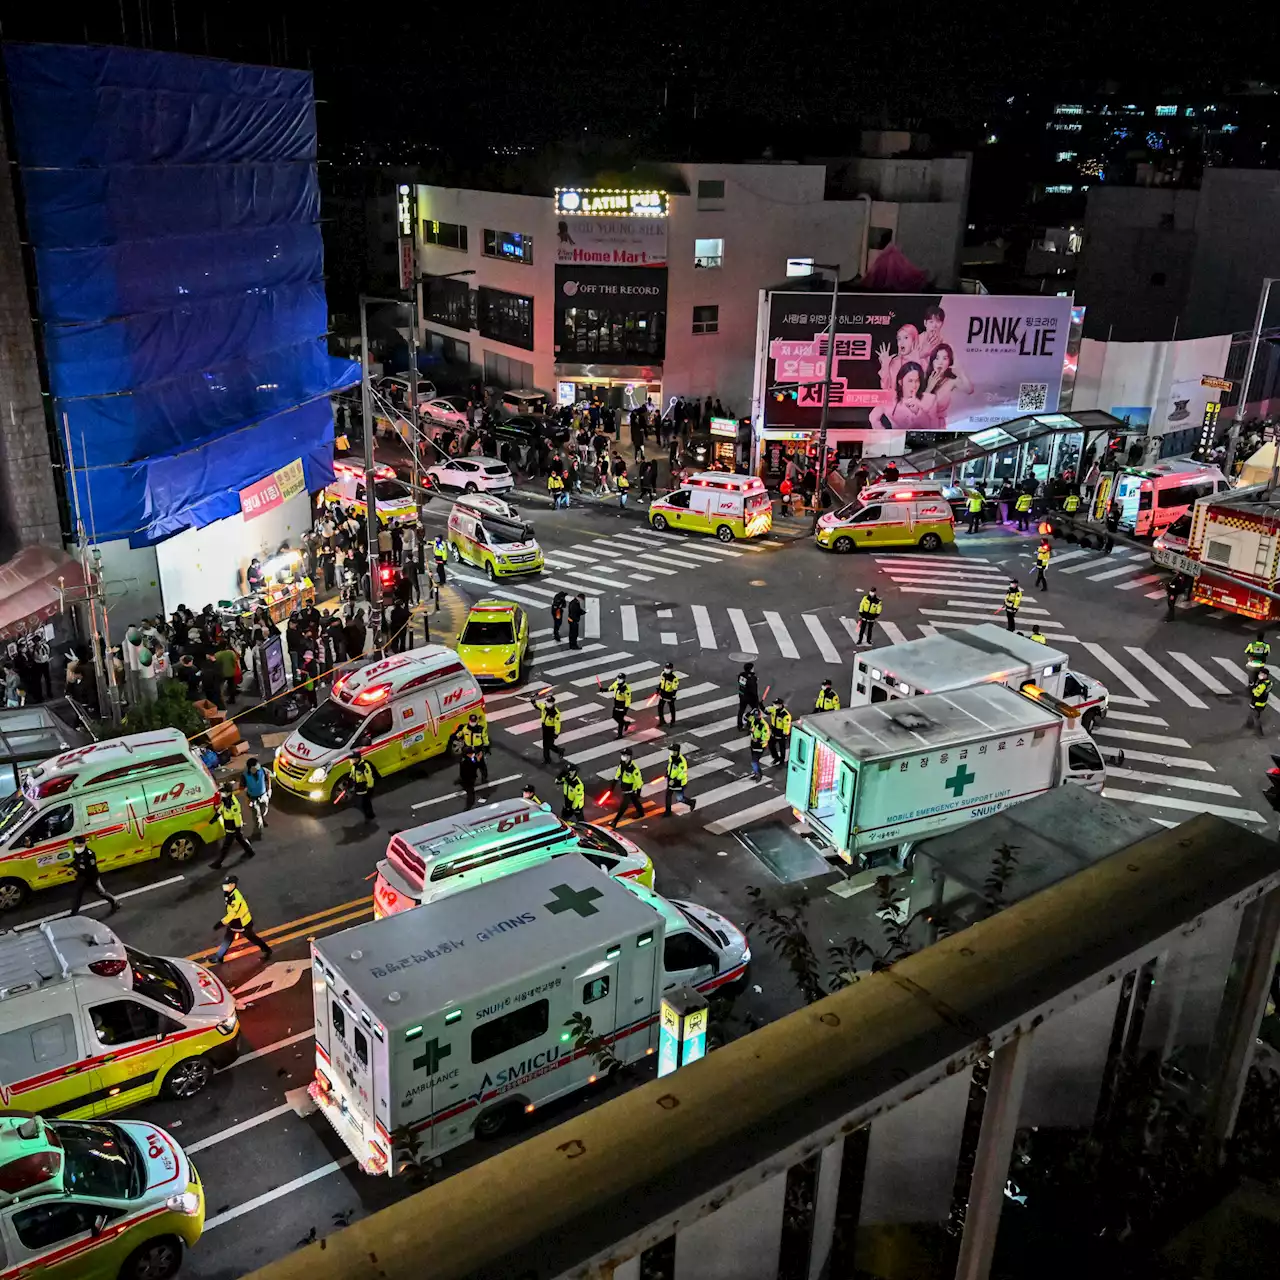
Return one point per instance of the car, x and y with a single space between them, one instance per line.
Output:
472 474
444 412
396 388
494 641
95 1199
394 497
614 854
1173 539
526 429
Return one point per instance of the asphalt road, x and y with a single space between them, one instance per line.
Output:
275 1176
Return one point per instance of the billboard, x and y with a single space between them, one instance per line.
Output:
610 242
916 362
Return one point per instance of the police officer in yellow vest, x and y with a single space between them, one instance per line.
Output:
474 736
668 686
1043 552
440 553
1037 635
549 715
677 779
575 792
779 731
869 611
236 923
362 781
1259 694
828 699
1012 602
1257 653
628 780
1070 505
621 692
232 824
555 488
1023 509
759 728
974 505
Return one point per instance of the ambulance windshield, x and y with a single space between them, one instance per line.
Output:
331 725
13 809
101 1161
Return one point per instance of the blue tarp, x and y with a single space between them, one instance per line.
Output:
174 210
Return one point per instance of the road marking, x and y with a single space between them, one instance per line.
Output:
670 557
128 893
1088 564
279 976
1134 735
889 557
591 623
269 934
1164 780
456 795
1069 555
615 583
599 547
1174 762
244 1126
288 1188
590 731
1132 717
1114 573
668 638
893 631
744 816
575 555
1188 806
630 629
1211 682
600 661
640 577
851 626
566 713
734 788
828 651
496 717
780 634
970 601
713 765
274 1047
573 587
657 568
984 586
978 617
1166 678
540 632
706 635
594 753
1142 582
584 681
716 726
1121 700
1134 685
525 593
558 655
742 632
702 708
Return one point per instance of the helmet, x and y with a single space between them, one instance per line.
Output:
675 748
229 882
826 684
777 702
353 755
622 677
748 666
472 718
227 788
78 842
669 666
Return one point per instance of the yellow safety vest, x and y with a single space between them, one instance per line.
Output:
362 774
621 694
575 793
550 717
668 684
629 776
229 811
976 503
1037 636
1042 555
554 482
677 771
475 735
623 482
870 608
828 700
1071 503
759 734
1024 502
780 720
237 910
1013 599
1260 692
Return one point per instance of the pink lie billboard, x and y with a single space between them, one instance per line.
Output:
915 362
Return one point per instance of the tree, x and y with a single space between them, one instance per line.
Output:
170 710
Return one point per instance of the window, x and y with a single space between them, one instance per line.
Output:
44 1225
510 245
684 951
678 499
1084 755
448 302
339 1021
710 193
620 336
31 1051
706 319
377 725
502 371
500 1035
1218 552
448 235
868 515
1184 495
596 989
879 237
49 826
159 980
505 317
361 1046
708 253
123 1021
799 266
145 766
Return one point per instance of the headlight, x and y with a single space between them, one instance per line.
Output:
511 661
318 774
229 1026
184 1202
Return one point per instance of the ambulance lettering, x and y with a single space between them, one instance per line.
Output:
528 1069
452 697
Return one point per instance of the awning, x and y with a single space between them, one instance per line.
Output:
29 588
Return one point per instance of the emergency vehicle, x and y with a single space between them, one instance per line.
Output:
449 1022
95 1201
1149 499
501 545
132 798
396 712
467 849
88 1025
730 506
394 497
1238 534
900 520
494 640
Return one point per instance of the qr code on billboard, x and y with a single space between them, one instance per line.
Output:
1033 397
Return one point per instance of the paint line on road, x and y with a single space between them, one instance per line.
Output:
978 617
1164 780
288 1188
1186 806
1167 678
626 669
1132 717
600 661
748 815
1173 762
742 632
456 795
893 631
828 651
559 655
591 623
1145 580
786 646
128 893
702 619
236 1129
1210 681
1115 573
630 627
1132 683
1135 735
274 1047
604 749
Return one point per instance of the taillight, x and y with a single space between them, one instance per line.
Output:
108 968
323 1081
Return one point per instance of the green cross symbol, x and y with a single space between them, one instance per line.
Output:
579 900
433 1054
959 780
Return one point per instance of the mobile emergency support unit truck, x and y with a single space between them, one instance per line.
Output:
879 777
984 654
448 1021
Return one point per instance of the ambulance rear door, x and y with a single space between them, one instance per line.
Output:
800 768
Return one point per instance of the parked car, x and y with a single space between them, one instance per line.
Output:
526 429
445 412
396 388
471 474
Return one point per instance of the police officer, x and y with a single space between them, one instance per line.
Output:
557 614
869 611
668 685
779 731
1023 509
440 553
629 780
475 737
1259 693
469 765
528 793
828 699
621 692
1037 635
232 824
1043 552
236 923
85 865
555 488
1257 653
362 784
549 715
678 779
1172 590
748 691
1070 505
1012 602
575 792
577 607
974 505
759 727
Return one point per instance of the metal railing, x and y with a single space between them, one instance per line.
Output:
1166 948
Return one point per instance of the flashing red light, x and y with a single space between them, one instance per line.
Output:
108 968
374 694
27 1171
341 683
387 573
55 786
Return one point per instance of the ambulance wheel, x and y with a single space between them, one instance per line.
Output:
659 523
489 1124
724 533
13 893
182 846
930 542
488 568
842 545
188 1077
158 1259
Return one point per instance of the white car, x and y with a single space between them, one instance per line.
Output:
472 474
396 388
443 413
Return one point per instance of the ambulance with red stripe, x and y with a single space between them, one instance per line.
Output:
132 798
396 712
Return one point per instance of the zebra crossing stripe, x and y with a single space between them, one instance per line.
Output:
659 784
681 558
702 620
1070 555
591 623
939 586
576 712
640 577
734 788
574 555
1211 682
600 662
1136 717
742 632
1026 608
985 582
603 546
851 626
612 747
1115 573
780 634
702 708
630 628
1170 681
1187 806
648 563
727 553
559 655
1145 580
744 816
1173 762
889 557
1132 683
573 587
893 631
979 617
716 726
1137 735
828 651
583 681
1085 566
1166 780
509 713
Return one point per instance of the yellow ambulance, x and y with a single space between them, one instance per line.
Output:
395 712
132 798
730 506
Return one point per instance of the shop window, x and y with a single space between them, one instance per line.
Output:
706 319
511 246
448 302
501 371
623 336
505 317
448 235
708 253
710 193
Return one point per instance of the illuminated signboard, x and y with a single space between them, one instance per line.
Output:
404 210
603 202
724 427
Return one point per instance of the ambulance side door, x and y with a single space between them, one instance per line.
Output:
124 823
412 723
596 997
54 1238
132 1042
46 842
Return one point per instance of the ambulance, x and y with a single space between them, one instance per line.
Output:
88 1025
454 1020
730 506
133 798
1148 500
901 520
396 712
481 535
394 497
114 1201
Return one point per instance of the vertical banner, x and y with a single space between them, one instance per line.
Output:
407 218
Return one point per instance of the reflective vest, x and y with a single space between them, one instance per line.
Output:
441 549
554 483
621 691
1260 691
1259 650
677 771
870 608
623 483
629 776
230 813
1071 503
237 910
668 683
780 720
759 735
976 503
1043 552
550 716
1013 599
1023 503
1037 636
362 775
828 700
575 793
475 735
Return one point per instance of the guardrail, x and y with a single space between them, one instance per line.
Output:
857 1105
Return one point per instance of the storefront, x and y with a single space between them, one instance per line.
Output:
622 388
773 447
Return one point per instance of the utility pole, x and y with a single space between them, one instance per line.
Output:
413 386
834 268
370 494
1234 434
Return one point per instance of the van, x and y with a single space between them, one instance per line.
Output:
449 1022
395 712
133 798
1149 499
89 1026
500 545
394 497
730 506
524 400
466 849
913 522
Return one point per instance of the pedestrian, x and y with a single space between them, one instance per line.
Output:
668 687
362 783
1172 590
780 731
649 479
1022 508
828 699
1043 552
40 668
1259 695
678 780
759 728
440 552
228 809
577 608
869 610
621 692
558 603
255 782
85 864
624 489
629 781
1012 602
236 923
602 474
748 691
399 627
550 718
475 737
974 503
575 793
468 770
1037 635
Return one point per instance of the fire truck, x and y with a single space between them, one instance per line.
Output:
1237 534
